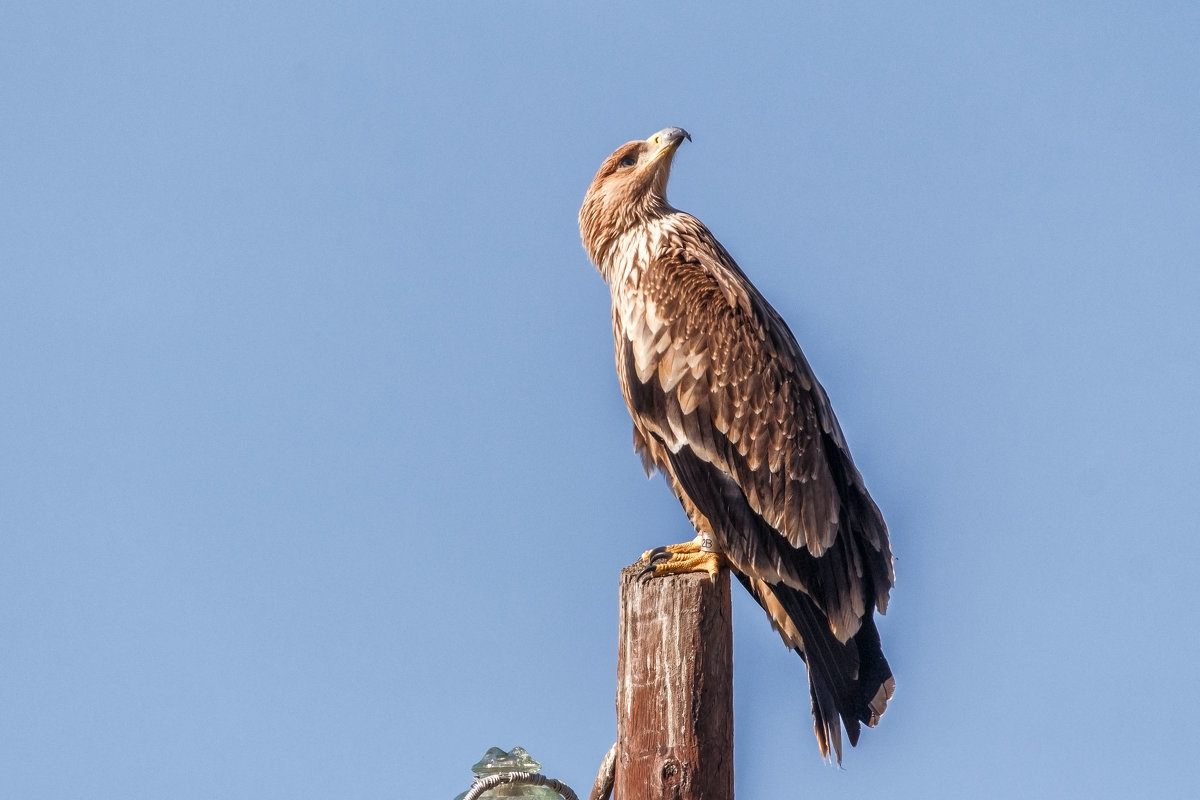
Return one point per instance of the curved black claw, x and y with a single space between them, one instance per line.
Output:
656 555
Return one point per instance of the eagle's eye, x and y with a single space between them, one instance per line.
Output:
628 161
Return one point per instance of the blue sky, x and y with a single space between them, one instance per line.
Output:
317 480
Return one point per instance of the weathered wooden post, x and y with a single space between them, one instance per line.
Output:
675 688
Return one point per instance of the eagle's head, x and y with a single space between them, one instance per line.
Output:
629 189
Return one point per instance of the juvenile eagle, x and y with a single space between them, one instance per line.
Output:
725 405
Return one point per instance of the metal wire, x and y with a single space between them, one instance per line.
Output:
481 785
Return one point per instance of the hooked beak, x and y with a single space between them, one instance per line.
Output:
668 140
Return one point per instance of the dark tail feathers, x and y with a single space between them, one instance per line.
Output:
849 683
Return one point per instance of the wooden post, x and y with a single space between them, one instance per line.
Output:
675 688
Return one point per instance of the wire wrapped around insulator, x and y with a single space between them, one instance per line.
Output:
481 785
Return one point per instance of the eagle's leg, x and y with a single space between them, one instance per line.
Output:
676 559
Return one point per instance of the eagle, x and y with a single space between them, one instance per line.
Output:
726 407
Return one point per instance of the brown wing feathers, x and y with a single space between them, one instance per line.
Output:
755 422
744 444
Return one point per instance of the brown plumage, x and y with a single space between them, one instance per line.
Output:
725 405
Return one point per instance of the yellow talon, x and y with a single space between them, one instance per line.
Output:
677 559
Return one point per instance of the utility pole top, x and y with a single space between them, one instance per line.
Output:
675 688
